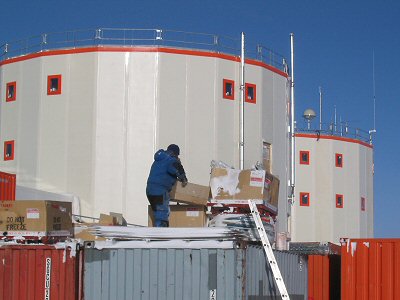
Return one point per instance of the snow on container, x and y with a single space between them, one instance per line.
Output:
39 272
370 269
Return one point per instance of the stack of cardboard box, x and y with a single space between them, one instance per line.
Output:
227 186
191 207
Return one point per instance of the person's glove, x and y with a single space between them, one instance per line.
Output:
184 181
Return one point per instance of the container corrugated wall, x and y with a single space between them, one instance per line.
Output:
260 283
371 269
323 277
181 274
162 274
38 272
7 186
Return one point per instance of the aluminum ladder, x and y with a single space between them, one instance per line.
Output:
268 250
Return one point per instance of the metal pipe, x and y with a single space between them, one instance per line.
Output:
241 106
320 108
292 117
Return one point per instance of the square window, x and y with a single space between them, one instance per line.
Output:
11 91
229 89
339 160
339 201
9 150
251 93
362 204
54 85
304 199
304 157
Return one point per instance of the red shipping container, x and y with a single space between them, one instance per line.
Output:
30 272
323 277
7 186
371 269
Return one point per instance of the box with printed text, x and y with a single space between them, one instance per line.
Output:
36 218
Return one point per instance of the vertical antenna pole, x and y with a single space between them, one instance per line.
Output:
335 118
373 84
320 108
241 106
292 117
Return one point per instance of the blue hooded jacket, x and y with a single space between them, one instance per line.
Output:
164 172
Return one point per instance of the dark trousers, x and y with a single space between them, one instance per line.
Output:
160 206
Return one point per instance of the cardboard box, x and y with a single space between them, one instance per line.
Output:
36 218
184 216
83 231
232 184
193 194
272 187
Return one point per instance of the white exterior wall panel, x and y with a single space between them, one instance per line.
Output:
275 123
226 114
29 105
141 125
82 85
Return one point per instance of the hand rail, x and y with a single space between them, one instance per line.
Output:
138 37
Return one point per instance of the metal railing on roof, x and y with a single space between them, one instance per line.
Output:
138 37
341 129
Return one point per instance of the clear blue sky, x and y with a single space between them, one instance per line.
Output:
334 46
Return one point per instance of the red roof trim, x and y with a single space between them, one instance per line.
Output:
142 49
331 137
264 65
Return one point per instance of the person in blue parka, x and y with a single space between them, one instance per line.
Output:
165 171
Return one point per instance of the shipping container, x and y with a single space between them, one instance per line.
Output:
323 277
30 272
7 186
149 270
323 268
370 269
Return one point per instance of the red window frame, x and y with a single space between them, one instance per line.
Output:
254 99
304 194
337 163
14 96
304 162
363 204
6 145
338 204
225 82
49 81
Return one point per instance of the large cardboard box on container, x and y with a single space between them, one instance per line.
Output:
232 184
193 194
184 216
36 218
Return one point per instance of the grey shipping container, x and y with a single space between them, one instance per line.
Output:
209 273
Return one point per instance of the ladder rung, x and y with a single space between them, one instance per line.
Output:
268 250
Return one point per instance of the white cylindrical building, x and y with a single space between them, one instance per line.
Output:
334 187
86 121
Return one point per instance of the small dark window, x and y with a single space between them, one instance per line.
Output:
304 199
229 89
304 157
11 91
339 201
54 85
9 150
339 160
362 204
251 93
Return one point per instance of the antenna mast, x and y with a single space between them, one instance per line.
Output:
373 87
